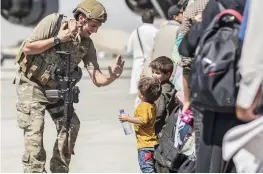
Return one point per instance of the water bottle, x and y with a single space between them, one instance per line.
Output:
126 125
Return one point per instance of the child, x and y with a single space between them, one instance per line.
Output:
149 90
162 69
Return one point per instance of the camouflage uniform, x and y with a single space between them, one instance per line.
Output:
32 103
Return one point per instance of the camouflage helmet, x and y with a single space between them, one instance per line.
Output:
92 9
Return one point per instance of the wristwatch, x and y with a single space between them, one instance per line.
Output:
56 40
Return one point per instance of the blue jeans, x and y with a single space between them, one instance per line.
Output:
145 158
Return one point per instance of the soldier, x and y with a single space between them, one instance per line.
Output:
38 62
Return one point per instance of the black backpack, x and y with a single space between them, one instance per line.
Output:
214 77
166 154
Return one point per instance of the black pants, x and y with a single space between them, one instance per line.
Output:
198 127
213 126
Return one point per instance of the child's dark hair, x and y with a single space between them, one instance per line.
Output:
150 88
162 63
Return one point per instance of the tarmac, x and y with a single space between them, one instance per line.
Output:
101 146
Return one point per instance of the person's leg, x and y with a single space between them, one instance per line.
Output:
60 160
209 157
30 118
223 123
135 75
146 161
198 126
204 152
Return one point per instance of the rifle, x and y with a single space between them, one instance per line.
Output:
68 92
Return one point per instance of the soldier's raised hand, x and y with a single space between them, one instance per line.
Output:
64 33
117 68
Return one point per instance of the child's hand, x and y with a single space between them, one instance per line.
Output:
123 117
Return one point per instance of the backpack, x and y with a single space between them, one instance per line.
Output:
166 154
214 77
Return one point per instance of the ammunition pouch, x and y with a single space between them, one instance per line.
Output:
38 70
35 68
21 58
44 73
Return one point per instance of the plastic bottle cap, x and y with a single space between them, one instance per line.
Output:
122 111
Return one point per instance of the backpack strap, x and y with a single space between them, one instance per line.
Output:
139 38
56 30
58 24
